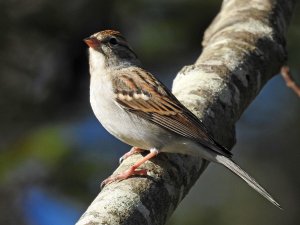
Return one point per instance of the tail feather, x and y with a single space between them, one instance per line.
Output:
246 177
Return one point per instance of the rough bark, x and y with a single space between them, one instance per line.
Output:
242 49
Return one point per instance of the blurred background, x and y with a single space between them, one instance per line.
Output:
53 151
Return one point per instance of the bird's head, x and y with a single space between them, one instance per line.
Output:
111 48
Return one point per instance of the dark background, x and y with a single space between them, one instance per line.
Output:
54 153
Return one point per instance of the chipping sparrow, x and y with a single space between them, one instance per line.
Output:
140 111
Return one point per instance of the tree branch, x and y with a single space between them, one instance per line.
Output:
243 48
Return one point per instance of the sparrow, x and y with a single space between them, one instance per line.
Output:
139 110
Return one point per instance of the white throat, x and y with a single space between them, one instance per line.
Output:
97 61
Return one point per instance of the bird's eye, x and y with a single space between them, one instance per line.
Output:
113 41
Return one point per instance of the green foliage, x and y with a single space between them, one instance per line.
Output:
45 145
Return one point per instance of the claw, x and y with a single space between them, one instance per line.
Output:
132 151
121 159
123 176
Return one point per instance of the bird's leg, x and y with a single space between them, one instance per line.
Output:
132 151
132 170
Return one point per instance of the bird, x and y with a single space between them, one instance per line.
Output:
138 109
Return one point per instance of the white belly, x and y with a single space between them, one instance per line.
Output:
123 125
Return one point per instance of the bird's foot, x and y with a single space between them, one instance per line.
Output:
132 170
124 175
132 151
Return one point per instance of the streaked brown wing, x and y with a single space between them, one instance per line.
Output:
140 93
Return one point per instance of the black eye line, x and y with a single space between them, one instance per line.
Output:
107 40
123 45
126 46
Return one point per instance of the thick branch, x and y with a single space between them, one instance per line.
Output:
243 48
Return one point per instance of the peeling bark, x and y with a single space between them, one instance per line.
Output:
243 48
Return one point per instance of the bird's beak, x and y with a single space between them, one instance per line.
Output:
92 42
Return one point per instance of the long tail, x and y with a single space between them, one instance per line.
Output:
246 177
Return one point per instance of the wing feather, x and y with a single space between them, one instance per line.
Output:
139 92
